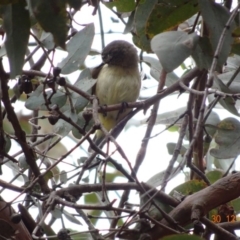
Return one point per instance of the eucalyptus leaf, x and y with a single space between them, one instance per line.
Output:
82 123
156 180
171 147
211 123
7 145
215 175
215 17
227 138
173 47
235 84
151 210
129 26
224 164
62 127
167 15
121 5
85 82
52 17
236 205
16 23
63 176
78 48
156 69
3 2
76 4
22 162
47 40
143 11
228 102
36 100
182 237
56 212
203 53
71 218
189 187
167 118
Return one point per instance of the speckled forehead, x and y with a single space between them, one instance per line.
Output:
120 53
118 47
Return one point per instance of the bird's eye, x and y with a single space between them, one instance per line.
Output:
106 57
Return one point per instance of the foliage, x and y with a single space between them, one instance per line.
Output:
44 47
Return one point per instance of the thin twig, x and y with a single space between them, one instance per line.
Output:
176 152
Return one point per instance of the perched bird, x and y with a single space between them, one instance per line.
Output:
118 81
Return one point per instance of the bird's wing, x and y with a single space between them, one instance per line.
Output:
95 73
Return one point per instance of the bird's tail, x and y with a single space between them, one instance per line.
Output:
108 123
99 136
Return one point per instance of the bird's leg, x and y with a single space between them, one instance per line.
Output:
103 111
122 109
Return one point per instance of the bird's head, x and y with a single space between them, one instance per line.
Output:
120 53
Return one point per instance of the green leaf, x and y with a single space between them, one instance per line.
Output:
85 83
211 123
215 175
236 205
142 14
151 209
79 236
189 187
203 53
78 48
63 176
156 180
56 212
215 17
236 48
167 118
52 17
129 25
173 129
233 63
16 24
56 173
121 5
47 40
228 139
81 122
173 47
76 4
48 231
92 198
223 164
36 100
156 69
171 147
71 218
167 15
182 237
48 175
62 127
8 143
228 102
3 2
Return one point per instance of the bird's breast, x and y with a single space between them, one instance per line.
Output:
116 85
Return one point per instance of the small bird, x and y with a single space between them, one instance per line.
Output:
118 81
